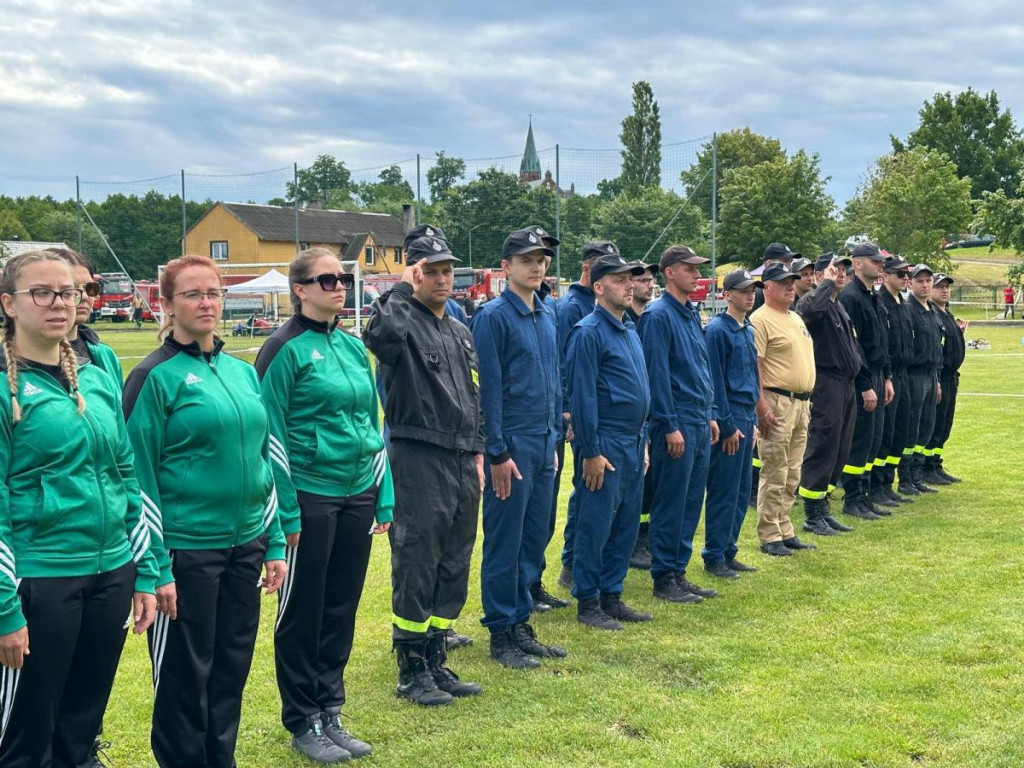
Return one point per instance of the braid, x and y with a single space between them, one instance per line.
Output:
69 362
12 368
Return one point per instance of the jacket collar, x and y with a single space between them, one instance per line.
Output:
687 308
582 290
608 317
315 325
88 335
513 298
732 325
193 349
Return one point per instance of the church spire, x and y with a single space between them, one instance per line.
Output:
529 168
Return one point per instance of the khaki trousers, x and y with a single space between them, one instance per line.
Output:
782 453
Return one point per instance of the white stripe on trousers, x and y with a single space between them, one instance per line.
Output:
160 627
286 587
8 688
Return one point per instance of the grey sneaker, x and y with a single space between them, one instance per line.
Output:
336 733
315 744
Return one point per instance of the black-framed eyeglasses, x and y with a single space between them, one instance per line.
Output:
91 289
217 294
329 282
44 297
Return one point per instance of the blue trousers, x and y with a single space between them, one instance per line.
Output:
725 506
678 497
607 520
516 532
570 512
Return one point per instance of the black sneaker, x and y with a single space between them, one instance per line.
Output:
334 731
776 549
454 640
315 744
739 567
614 607
565 578
506 651
794 543
526 639
541 595
99 749
693 589
721 570
666 588
836 525
589 612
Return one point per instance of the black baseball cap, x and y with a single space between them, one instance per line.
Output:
778 272
868 251
428 250
524 241
895 264
655 268
613 264
778 252
680 254
596 248
825 260
922 267
941 277
739 279
542 233
424 230
801 263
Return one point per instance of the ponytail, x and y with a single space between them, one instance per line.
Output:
12 368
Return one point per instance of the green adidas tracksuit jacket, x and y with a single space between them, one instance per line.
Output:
69 502
324 417
88 345
199 430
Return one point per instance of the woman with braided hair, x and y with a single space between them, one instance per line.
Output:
74 544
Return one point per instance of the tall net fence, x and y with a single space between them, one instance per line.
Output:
576 194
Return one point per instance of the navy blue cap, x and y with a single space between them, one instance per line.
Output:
524 241
424 230
895 264
739 279
941 277
613 264
868 251
428 250
801 263
542 233
680 254
778 252
825 260
596 248
778 272
922 267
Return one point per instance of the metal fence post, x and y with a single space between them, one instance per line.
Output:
78 214
295 203
184 213
714 222
419 197
558 217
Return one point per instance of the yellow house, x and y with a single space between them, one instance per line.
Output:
246 236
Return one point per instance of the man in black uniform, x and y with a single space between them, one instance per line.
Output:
805 282
897 412
429 370
953 351
925 363
837 359
873 382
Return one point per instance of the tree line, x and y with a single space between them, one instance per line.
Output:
960 170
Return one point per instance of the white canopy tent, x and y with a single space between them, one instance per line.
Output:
272 282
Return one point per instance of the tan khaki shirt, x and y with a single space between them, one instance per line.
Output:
785 349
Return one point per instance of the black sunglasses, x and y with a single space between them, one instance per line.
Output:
903 273
91 289
329 282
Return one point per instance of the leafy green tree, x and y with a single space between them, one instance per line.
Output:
11 227
641 141
982 141
327 183
783 200
736 149
61 227
911 201
1003 216
634 222
444 174
388 193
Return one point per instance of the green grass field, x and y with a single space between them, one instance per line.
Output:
896 645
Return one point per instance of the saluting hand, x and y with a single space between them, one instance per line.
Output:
675 444
501 478
413 275
593 471
14 648
144 610
276 571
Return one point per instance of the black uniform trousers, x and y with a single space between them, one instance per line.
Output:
833 416
201 659
317 603
867 439
52 708
922 413
437 507
944 413
894 432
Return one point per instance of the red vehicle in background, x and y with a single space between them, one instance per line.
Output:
115 299
482 285
150 292
705 286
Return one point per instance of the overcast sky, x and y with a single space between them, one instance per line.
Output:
133 89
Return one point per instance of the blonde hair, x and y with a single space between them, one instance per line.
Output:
170 276
68 357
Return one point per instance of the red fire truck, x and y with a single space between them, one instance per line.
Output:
115 299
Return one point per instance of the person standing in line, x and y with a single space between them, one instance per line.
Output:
183 404
75 558
874 381
520 394
610 400
804 270
578 302
954 349
334 484
785 360
892 454
837 359
683 426
925 389
430 374
643 292
732 356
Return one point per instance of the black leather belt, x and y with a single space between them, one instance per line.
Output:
790 395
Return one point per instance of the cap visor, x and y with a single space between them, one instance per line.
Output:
436 257
744 284
529 249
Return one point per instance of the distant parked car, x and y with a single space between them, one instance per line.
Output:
971 241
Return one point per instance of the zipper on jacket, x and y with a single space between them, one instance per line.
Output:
348 380
103 501
241 449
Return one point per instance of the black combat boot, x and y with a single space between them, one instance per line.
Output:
614 607
444 678
526 639
641 557
415 682
589 612
815 521
506 651
542 596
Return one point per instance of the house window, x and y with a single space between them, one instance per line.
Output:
398 254
219 250
303 246
371 257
